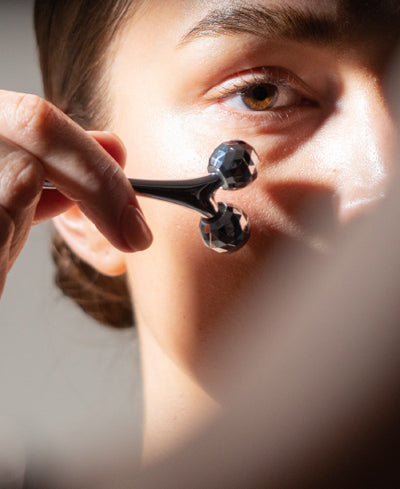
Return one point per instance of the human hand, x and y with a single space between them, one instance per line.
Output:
38 142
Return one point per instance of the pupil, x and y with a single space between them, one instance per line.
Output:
263 92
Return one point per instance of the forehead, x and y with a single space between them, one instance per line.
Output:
318 5
349 20
195 9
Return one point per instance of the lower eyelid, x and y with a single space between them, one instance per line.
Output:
274 114
278 122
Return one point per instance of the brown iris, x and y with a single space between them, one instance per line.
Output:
260 97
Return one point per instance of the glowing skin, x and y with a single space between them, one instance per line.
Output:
328 138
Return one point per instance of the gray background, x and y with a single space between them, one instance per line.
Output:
58 369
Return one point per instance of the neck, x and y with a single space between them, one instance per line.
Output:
175 406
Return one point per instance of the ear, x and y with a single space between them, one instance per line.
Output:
88 243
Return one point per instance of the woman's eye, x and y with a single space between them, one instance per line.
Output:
263 90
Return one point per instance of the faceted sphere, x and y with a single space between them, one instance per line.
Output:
235 162
227 231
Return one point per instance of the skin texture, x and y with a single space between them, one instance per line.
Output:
325 153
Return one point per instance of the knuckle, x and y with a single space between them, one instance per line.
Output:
32 113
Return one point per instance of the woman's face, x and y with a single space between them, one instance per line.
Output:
190 74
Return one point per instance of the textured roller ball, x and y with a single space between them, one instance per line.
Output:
236 164
227 231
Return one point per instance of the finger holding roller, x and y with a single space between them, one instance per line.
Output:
223 227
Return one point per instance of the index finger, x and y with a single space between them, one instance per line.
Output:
78 165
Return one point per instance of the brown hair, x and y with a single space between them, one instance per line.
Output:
74 39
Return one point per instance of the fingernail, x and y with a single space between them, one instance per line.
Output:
135 230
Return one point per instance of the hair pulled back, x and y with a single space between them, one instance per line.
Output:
74 39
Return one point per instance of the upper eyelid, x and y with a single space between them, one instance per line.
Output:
241 87
253 77
269 74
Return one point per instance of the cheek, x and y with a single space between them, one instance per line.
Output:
180 287
161 143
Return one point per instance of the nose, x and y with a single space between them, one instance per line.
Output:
360 145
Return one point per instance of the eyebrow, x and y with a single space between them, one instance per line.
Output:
281 22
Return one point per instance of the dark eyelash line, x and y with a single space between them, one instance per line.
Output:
242 88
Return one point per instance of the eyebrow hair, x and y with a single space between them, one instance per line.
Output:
281 22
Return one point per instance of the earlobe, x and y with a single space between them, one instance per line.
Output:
88 243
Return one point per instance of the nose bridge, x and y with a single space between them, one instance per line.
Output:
367 144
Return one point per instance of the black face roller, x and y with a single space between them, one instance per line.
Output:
223 227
